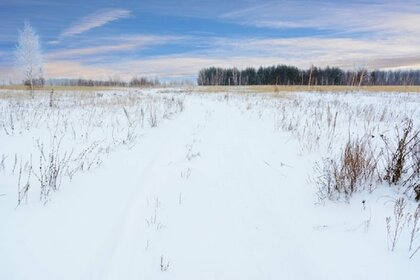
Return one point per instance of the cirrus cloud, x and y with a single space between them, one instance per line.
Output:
94 20
117 44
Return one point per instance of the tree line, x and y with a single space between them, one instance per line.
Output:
111 82
291 75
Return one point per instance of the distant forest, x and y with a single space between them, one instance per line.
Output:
134 82
290 75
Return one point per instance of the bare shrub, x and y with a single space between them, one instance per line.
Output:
180 105
171 106
402 158
85 160
51 102
131 127
23 190
395 227
414 220
153 119
413 180
51 168
349 173
141 117
9 126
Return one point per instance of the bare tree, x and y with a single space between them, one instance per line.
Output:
28 56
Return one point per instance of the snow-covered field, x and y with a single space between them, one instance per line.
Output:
188 184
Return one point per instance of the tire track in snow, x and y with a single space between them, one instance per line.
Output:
235 199
127 237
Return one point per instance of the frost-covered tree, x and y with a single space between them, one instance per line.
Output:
29 57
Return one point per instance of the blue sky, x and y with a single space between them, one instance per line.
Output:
174 39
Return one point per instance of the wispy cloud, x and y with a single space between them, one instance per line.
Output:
320 49
374 16
349 34
349 53
374 34
166 67
94 20
187 66
116 44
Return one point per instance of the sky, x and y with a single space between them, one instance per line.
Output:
173 40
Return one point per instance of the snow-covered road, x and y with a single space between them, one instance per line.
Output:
215 193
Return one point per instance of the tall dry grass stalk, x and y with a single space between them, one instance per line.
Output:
352 172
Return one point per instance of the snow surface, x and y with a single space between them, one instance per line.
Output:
217 190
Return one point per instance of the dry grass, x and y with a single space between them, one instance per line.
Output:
63 92
397 156
352 172
74 134
269 89
56 88
21 92
274 89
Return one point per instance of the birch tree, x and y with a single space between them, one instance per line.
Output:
29 57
